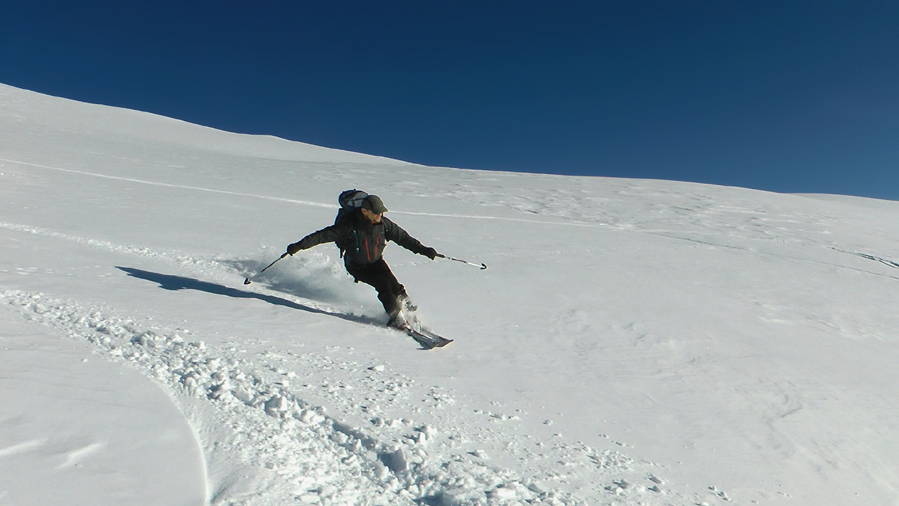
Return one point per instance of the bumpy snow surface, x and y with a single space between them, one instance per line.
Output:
632 342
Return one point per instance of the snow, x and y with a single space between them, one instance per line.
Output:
632 341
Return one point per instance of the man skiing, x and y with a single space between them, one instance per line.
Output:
362 236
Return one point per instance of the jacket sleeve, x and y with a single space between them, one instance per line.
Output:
395 233
327 234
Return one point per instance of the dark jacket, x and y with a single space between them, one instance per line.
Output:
363 241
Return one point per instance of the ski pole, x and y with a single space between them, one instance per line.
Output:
247 281
482 266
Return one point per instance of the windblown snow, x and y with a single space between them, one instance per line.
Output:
632 342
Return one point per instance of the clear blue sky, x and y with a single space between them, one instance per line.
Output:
788 96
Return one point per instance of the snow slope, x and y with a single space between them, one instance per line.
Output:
632 341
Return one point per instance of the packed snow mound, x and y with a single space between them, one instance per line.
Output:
633 341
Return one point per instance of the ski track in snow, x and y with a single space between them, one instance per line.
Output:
305 455
758 225
168 185
272 429
291 450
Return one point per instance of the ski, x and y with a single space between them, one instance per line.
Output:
440 340
427 339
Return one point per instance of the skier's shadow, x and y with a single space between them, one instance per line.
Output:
174 283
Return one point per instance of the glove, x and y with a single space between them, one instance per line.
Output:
293 248
429 252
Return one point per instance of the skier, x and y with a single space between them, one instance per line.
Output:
362 236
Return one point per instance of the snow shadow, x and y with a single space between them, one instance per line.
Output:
174 283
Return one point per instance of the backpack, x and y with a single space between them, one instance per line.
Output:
350 202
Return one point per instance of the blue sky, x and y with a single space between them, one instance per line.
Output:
788 96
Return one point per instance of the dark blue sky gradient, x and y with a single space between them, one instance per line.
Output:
796 96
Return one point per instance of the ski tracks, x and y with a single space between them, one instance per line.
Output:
294 449
266 444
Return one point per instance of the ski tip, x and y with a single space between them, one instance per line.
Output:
425 345
483 266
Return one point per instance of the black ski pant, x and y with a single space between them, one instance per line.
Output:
379 275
